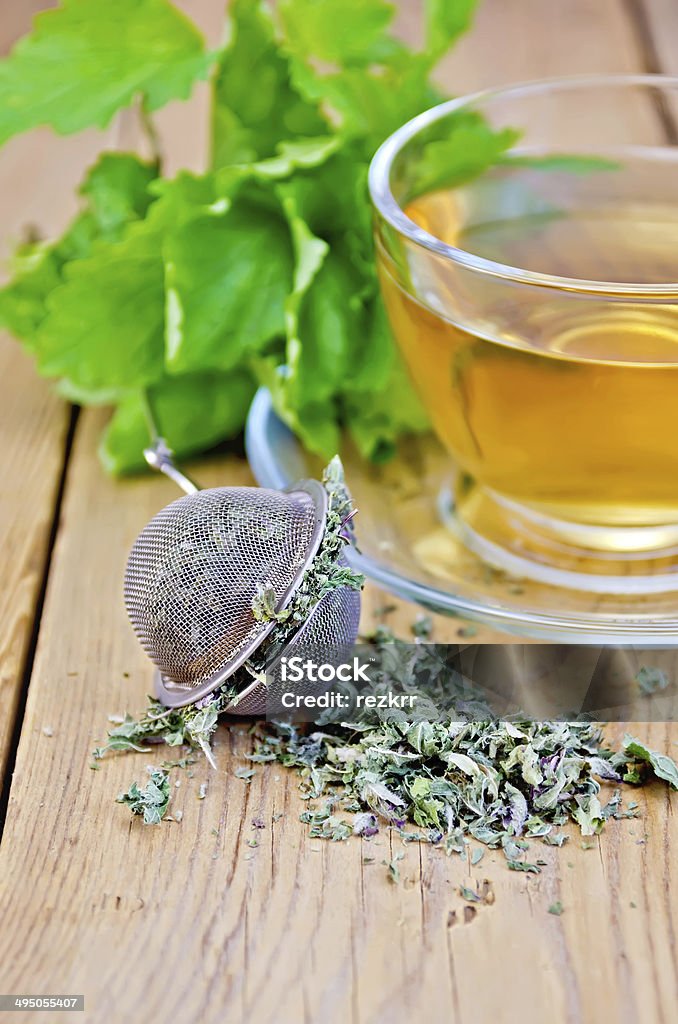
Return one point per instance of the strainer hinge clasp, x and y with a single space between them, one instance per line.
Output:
159 456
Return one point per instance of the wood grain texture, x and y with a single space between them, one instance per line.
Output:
186 921
33 428
660 18
526 39
39 175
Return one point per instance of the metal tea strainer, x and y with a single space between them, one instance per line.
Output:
195 569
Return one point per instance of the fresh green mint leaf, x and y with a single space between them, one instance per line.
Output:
195 411
374 361
227 279
315 423
249 123
86 59
470 146
571 163
309 250
309 255
329 322
292 156
378 421
117 191
38 270
22 301
344 61
331 197
446 20
105 324
369 103
187 196
343 32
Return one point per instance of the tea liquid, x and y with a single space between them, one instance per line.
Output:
575 414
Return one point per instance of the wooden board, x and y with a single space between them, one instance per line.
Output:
657 26
526 39
186 921
180 920
33 428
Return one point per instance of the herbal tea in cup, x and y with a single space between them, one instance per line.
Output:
527 242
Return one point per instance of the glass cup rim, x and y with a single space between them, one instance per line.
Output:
388 207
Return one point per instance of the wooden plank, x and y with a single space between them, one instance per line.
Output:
187 921
657 22
519 42
33 427
181 921
514 42
656 27
39 175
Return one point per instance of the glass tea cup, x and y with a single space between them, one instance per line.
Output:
527 244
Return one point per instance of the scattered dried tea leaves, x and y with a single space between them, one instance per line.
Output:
151 802
470 895
365 824
392 869
482 893
325 825
662 765
422 627
651 680
523 865
459 777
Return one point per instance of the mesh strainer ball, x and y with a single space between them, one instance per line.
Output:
333 625
196 568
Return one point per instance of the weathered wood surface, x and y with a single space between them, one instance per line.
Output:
33 432
186 921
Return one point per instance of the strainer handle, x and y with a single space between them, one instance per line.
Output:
159 456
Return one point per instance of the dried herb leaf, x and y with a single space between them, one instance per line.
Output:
662 765
651 680
392 869
151 802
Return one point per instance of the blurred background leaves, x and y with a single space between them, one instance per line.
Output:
193 290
